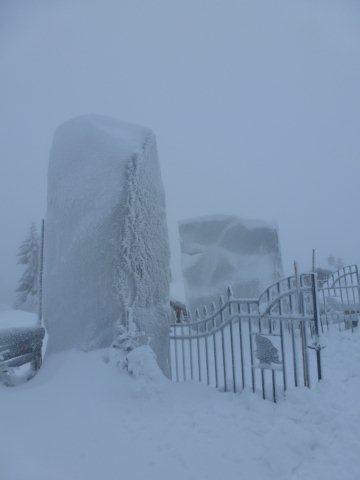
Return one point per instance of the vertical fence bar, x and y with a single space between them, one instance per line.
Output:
223 343
207 358
353 289
215 362
206 349
241 349
316 321
191 354
346 290
183 352
213 313
232 342
273 379
358 284
197 320
263 383
293 343
303 348
176 353
198 351
306 355
341 289
282 341
251 350
170 363
223 358
283 354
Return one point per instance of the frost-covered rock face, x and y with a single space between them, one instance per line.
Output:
223 250
106 245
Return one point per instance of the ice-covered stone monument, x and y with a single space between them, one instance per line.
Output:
106 247
222 250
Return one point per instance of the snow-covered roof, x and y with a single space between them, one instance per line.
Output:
10 318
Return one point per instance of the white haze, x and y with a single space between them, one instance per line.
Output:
255 105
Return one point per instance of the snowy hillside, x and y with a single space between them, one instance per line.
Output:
79 419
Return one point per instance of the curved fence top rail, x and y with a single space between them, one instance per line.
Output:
246 307
336 277
267 300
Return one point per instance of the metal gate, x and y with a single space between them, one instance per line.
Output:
266 344
339 299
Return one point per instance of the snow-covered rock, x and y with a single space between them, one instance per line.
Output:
222 250
106 242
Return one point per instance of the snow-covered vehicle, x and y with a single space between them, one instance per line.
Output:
21 341
20 347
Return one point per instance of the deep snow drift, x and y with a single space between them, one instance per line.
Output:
81 419
222 250
106 242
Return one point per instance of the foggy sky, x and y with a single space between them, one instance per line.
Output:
255 105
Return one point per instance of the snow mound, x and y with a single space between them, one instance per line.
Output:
106 242
141 363
80 419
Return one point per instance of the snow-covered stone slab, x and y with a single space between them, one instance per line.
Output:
105 228
222 250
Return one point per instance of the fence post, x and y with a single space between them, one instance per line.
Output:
317 345
298 289
313 266
41 272
358 283
197 319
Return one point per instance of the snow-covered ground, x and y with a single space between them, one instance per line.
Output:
80 419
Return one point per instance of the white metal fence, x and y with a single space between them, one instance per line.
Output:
267 344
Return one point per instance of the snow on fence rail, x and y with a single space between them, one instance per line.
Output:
269 343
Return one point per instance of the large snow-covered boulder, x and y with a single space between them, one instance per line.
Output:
106 242
222 250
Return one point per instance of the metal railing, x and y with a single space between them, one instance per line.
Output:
267 344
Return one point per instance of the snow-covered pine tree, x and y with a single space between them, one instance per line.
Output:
29 255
